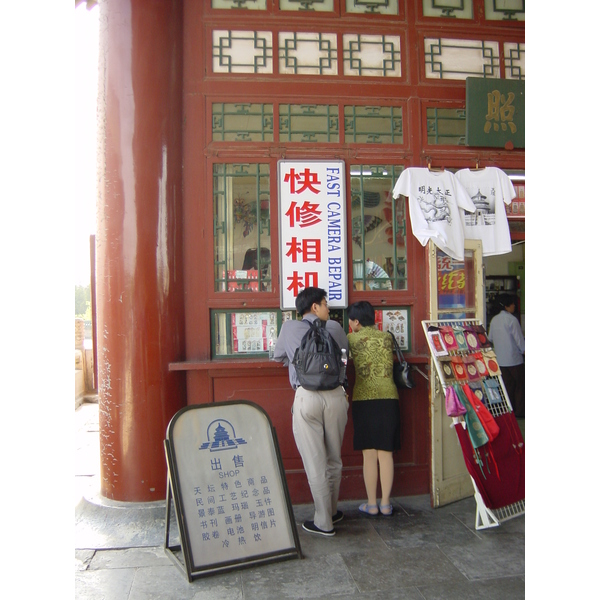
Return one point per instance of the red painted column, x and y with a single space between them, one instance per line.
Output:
139 247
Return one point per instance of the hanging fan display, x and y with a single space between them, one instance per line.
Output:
370 199
371 222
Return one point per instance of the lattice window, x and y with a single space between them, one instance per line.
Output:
242 230
458 59
505 10
378 229
308 53
381 7
372 55
373 124
309 123
454 9
306 5
514 60
239 122
446 126
242 51
239 333
247 4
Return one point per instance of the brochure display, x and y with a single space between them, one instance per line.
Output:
226 479
482 416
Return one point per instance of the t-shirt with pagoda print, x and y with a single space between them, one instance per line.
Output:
434 199
490 189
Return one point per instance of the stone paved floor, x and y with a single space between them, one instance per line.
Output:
418 553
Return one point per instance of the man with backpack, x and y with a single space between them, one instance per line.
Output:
319 416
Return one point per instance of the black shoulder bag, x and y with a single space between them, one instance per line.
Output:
402 375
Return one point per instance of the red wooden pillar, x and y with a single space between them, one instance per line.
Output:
139 246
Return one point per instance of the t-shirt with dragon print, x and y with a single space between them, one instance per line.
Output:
434 199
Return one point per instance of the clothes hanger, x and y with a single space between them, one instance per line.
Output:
433 169
477 167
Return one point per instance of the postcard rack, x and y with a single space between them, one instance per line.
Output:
485 517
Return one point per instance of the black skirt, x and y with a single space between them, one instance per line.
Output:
376 425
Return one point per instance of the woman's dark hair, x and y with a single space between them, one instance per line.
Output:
363 312
307 297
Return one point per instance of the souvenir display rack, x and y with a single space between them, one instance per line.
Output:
485 517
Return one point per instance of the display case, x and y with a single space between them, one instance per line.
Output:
253 333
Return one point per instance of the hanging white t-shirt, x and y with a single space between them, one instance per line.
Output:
434 198
490 189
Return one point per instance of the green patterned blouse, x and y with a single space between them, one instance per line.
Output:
373 356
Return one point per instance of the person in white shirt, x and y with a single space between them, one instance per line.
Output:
509 345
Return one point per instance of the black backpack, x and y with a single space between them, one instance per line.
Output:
318 359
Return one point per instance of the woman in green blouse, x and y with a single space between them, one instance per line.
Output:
375 408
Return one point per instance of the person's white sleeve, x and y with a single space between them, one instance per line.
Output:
517 333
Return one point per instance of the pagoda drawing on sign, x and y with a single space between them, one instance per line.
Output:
484 211
221 436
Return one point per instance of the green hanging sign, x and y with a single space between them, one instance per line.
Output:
495 113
